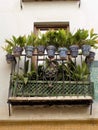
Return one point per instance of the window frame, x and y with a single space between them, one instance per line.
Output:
50 25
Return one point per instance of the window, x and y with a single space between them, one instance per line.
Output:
44 26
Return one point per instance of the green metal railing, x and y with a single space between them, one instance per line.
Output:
48 89
47 84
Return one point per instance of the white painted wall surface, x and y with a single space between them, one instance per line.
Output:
14 21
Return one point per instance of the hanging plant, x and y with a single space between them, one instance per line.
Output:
17 44
9 56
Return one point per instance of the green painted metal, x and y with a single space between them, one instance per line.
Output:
58 88
94 77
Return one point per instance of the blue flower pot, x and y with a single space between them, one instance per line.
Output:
92 55
90 58
17 51
51 51
10 58
29 51
74 50
86 50
41 49
63 52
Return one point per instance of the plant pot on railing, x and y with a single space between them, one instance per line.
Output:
17 51
51 51
41 49
90 58
86 50
10 58
63 52
74 50
92 55
29 51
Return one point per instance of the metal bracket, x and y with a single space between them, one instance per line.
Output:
79 3
21 4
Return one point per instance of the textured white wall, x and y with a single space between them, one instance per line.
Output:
14 21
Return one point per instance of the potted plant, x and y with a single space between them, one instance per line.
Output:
90 58
74 47
30 43
9 56
74 50
17 44
26 74
92 40
41 41
78 42
86 49
76 72
85 39
51 42
63 40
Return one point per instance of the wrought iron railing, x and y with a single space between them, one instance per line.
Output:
47 89
47 82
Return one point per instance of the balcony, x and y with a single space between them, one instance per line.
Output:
46 88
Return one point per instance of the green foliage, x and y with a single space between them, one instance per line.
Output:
13 42
82 72
51 36
17 41
64 38
61 37
83 36
40 72
58 38
8 49
26 75
31 39
77 72
93 39
80 36
41 39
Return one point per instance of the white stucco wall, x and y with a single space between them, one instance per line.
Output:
14 21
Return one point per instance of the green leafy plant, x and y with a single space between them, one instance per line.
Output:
9 53
77 72
51 38
25 75
64 38
80 36
31 39
16 44
87 37
8 48
41 39
93 39
16 41
58 38
82 72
